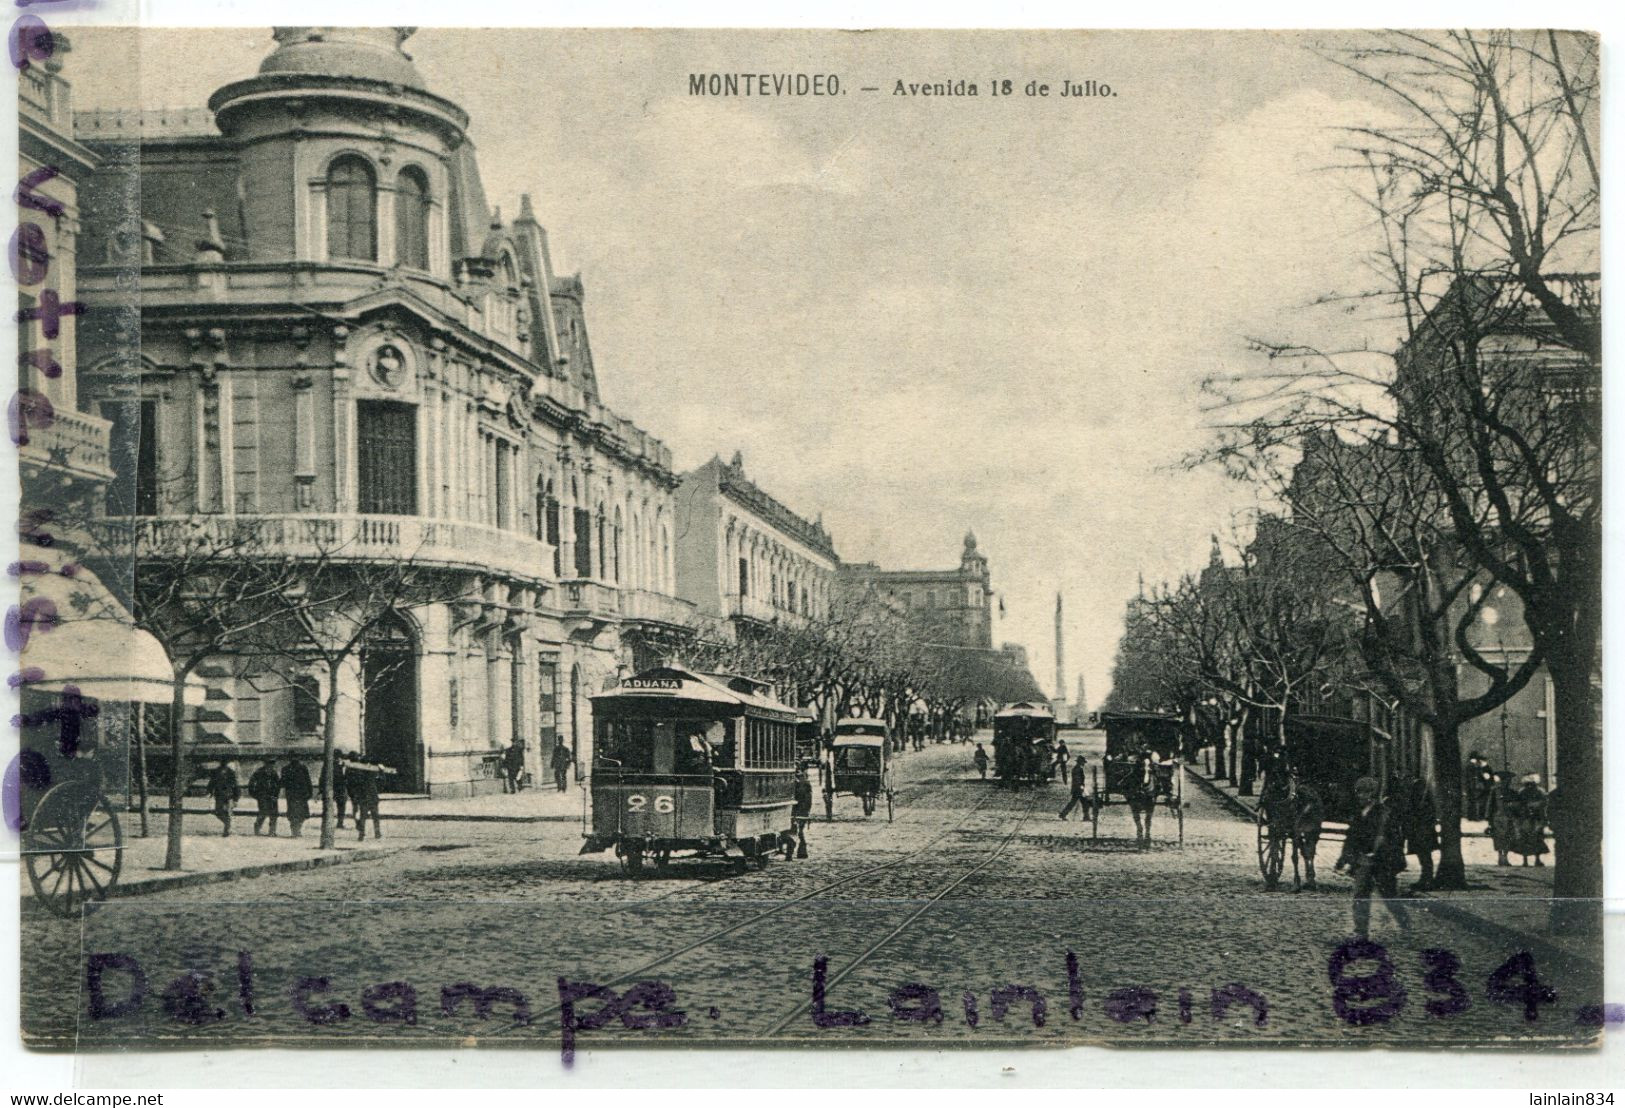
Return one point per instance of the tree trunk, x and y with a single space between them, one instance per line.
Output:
178 769
1576 813
329 711
1452 871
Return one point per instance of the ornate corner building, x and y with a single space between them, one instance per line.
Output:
307 316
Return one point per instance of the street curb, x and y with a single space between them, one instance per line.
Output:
1235 803
443 817
213 877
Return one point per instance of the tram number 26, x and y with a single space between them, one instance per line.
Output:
637 802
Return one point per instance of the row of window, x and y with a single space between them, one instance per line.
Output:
769 744
352 213
782 592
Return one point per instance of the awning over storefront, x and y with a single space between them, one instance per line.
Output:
92 643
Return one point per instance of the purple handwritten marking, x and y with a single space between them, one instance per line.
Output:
11 795
96 968
28 196
28 675
1185 1005
485 999
1600 1015
322 1015
186 1000
391 1002
17 569
31 41
1515 982
1237 993
1362 1000
49 311
915 1003
1134 1002
1074 987
22 619
1006 995
821 1016
30 256
29 410
245 982
655 997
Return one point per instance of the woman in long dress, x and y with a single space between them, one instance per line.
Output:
1528 837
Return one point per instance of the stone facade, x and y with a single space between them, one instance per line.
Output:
341 340
952 606
743 557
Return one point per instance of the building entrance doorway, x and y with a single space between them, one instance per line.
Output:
390 708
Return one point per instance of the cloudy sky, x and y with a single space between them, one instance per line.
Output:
914 316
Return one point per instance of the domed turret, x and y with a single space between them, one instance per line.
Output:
370 53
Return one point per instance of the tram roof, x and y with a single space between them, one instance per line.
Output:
1025 708
675 683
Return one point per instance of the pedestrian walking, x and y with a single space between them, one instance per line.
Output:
226 792
563 759
265 786
364 796
1374 854
1421 832
340 791
1478 780
980 758
513 766
1502 813
1080 795
297 789
801 811
1529 821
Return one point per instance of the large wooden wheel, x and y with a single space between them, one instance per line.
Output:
73 847
1271 852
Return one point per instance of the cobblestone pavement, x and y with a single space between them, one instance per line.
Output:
969 906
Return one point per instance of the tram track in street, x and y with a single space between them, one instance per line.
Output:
781 906
835 978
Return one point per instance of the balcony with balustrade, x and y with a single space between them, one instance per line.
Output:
452 544
68 443
760 609
657 609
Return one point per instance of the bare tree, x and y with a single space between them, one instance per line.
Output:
1485 198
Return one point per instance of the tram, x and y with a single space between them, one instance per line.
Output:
860 764
1023 743
691 761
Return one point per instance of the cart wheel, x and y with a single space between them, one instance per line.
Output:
891 797
74 847
1271 853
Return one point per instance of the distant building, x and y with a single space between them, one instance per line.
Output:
744 557
950 606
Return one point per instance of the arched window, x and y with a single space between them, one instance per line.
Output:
412 219
352 230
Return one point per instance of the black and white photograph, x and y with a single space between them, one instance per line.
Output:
573 541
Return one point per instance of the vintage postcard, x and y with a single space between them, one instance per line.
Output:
587 539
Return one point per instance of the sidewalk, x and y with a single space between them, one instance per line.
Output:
209 857
532 805
1508 902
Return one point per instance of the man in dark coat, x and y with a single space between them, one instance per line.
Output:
1374 853
341 792
364 793
1080 799
264 786
297 788
226 792
563 759
1421 832
513 766
801 812
980 758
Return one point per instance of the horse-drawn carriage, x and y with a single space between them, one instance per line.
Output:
1308 789
1024 744
1142 764
859 764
